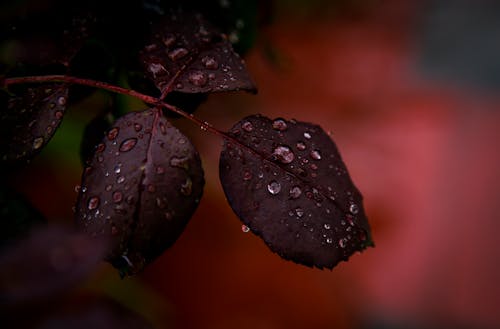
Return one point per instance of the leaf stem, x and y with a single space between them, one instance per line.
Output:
116 89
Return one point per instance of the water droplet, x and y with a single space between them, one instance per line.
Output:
160 170
354 209
178 53
327 226
299 212
169 40
37 143
77 188
279 124
342 243
301 146
179 162
245 229
315 154
187 187
61 101
307 135
58 115
93 203
329 240
274 187
118 169
108 188
284 154
113 133
210 63
117 197
156 68
137 126
295 192
211 76
247 126
151 47
247 175
84 189
120 179
101 147
198 78
128 144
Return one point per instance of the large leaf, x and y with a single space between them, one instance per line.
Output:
30 120
187 54
140 188
287 183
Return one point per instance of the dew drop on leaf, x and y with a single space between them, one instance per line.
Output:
315 154
274 187
198 78
93 203
178 53
301 146
128 144
37 143
284 154
279 124
295 192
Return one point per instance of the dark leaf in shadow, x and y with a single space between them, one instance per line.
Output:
187 54
140 189
287 183
30 120
46 264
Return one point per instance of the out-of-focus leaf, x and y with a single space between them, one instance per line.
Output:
17 216
46 264
30 120
187 54
140 188
287 183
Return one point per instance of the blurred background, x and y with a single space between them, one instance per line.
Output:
410 92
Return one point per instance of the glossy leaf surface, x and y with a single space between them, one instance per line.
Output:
140 188
187 54
287 183
30 120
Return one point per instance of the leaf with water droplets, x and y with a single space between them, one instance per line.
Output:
30 121
287 182
140 188
187 54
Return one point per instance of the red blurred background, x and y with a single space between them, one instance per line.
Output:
423 152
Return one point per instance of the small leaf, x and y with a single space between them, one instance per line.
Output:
140 188
30 121
287 183
187 54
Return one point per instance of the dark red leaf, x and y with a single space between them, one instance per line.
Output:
187 54
287 183
30 121
47 263
140 188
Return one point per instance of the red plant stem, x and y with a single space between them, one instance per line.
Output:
124 91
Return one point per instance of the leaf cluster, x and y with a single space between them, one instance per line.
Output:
143 178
